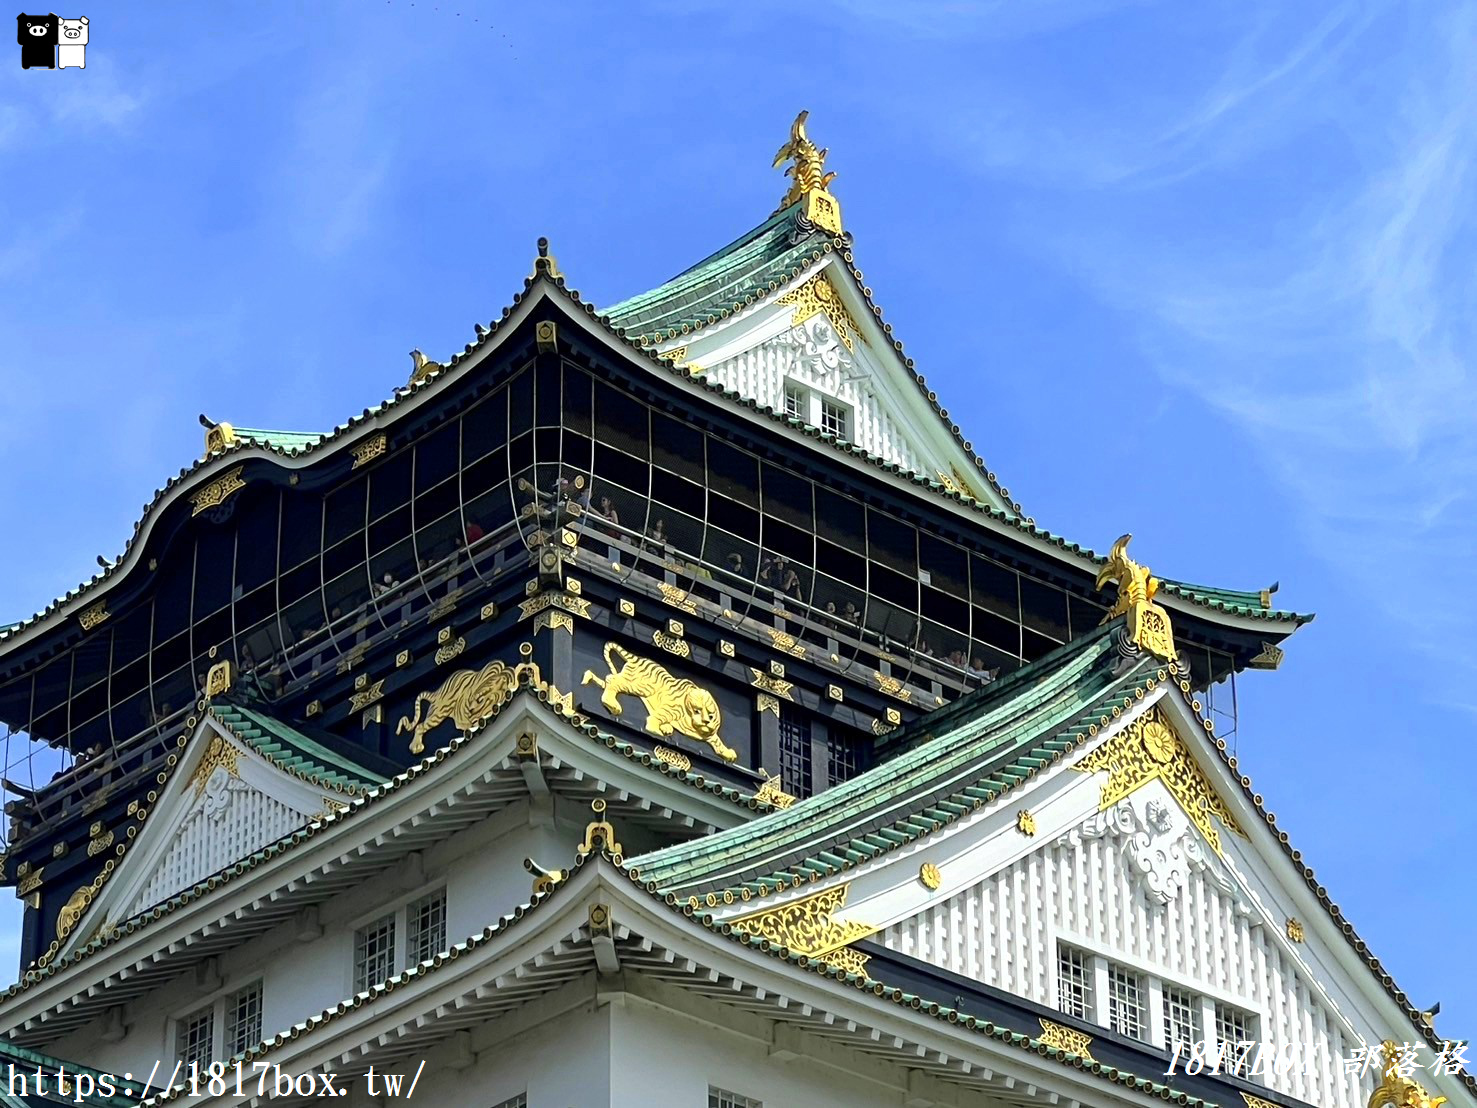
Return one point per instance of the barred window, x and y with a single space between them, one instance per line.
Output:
243 1019
833 418
374 953
519 1101
1074 982
842 763
426 927
795 402
195 1036
1233 1029
722 1098
1182 1022
1126 1002
795 754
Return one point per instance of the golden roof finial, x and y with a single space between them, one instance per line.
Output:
1395 1089
424 367
809 179
218 436
1148 623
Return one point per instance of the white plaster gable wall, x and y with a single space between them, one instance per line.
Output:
758 351
227 821
199 827
306 965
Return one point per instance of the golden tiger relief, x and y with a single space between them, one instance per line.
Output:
672 703
468 698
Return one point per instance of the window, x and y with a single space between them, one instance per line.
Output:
1091 987
1182 1021
519 1101
795 406
426 927
833 418
1233 1030
722 1098
842 762
227 1026
1074 982
396 940
194 1036
795 754
1126 1003
244 1019
374 953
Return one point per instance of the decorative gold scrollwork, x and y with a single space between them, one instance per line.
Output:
217 492
1395 1089
219 755
773 792
1148 623
771 684
366 696
1068 1039
72 911
674 758
93 616
819 297
808 926
468 698
892 686
673 704
678 598
1148 749
368 450
785 642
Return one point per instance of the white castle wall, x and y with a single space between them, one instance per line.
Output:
1004 931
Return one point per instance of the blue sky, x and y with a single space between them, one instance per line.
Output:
1199 272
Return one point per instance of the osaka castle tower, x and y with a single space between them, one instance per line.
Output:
661 704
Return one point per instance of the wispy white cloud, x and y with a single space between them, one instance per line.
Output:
338 161
1341 341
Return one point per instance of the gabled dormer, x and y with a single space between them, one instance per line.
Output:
239 780
782 317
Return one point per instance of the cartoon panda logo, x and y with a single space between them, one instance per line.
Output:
37 35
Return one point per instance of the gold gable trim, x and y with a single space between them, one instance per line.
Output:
1148 749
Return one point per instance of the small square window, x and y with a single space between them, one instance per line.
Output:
426 927
1125 1002
1074 983
1233 1030
244 1019
795 402
195 1037
374 953
722 1098
833 419
1182 1023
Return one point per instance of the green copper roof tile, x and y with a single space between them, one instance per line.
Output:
763 258
293 751
284 440
995 735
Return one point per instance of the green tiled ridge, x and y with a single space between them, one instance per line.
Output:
285 440
985 748
721 280
292 750
1231 600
